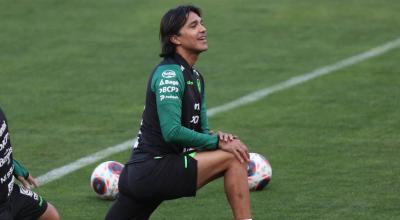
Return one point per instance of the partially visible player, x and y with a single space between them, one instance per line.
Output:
176 155
18 202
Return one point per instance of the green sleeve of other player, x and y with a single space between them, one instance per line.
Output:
20 170
168 84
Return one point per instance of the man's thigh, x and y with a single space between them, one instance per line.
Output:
167 177
126 208
211 165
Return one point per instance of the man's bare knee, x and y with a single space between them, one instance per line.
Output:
233 162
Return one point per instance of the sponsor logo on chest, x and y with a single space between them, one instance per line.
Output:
168 82
168 74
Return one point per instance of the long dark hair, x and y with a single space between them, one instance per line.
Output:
170 25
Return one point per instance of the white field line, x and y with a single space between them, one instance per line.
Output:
252 97
255 96
84 161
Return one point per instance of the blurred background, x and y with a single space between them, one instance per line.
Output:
73 76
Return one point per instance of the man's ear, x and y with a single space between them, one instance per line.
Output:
175 39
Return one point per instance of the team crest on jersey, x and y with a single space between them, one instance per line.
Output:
168 74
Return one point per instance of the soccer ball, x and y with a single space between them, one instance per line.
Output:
259 172
104 179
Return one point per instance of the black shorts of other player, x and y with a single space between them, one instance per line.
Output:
23 204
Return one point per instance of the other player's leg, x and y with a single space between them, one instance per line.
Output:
50 213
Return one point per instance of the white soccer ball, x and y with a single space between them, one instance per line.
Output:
104 179
259 172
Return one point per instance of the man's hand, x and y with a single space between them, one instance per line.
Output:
22 174
28 181
237 148
226 136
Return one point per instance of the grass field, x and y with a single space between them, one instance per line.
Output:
73 76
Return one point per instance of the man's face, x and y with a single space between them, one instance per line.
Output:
193 35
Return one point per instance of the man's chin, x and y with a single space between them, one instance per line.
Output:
199 50
203 49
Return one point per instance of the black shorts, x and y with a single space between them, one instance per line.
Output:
143 185
161 178
23 205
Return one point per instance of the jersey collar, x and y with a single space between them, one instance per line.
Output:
182 62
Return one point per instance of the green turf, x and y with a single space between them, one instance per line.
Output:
73 76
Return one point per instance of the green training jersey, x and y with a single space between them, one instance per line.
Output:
175 117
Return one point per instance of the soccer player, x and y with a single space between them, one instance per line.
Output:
18 202
176 154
